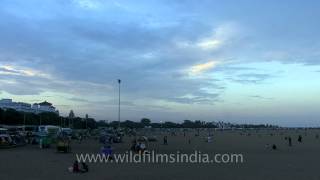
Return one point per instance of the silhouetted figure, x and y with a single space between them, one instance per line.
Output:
317 136
189 141
274 147
165 140
75 167
290 141
300 139
80 139
84 167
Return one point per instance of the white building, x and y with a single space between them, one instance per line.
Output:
25 107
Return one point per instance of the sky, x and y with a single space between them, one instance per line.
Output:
240 61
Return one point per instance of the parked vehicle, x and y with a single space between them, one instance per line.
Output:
8 140
52 131
66 131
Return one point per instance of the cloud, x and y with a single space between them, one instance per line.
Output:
260 97
78 99
200 68
164 55
251 78
210 44
222 35
198 98
88 4
11 70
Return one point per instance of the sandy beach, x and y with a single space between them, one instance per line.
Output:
297 162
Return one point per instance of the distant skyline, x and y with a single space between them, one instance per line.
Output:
246 61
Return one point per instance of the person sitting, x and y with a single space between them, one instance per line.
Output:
107 151
75 168
209 139
142 147
84 168
133 147
274 147
137 147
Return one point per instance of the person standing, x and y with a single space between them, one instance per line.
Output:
290 141
300 139
165 140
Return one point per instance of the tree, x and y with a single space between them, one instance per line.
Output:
188 124
1 116
102 123
71 114
131 124
145 122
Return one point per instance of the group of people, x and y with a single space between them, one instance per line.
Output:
289 139
138 146
75 168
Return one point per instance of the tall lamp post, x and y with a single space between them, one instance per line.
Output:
24 121
119 82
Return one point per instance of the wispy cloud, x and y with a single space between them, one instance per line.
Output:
200 68
12 70
251 78
88 4
260 97
222 35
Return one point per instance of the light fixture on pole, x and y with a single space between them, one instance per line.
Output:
119 82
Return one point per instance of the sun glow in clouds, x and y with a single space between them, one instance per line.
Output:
11 70
200 68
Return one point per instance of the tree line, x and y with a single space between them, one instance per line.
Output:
13 117
145 122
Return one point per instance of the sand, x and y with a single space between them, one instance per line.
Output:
301 161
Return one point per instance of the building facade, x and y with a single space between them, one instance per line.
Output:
25 107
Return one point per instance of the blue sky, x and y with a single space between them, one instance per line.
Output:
236 61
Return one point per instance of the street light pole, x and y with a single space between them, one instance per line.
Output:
24 121
119 82
24 118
